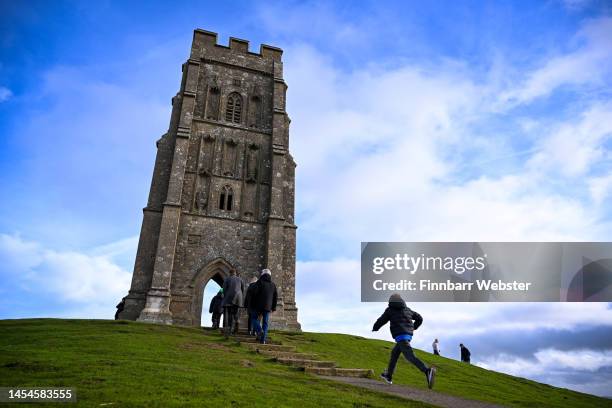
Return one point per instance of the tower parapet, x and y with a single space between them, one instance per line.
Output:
205 46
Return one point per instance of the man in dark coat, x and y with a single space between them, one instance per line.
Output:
233 292
248 304
465 354
120 308
403 322
216 308
264 302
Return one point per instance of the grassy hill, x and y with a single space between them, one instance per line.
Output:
135 364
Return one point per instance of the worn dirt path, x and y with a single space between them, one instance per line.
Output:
415 394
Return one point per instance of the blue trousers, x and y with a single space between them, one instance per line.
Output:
262 330
253 317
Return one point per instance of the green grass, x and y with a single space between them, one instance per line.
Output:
136 364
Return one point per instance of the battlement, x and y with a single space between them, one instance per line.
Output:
207 40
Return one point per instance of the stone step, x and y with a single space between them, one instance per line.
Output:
240 332
270 347
340 372
250 339
288 354
303 363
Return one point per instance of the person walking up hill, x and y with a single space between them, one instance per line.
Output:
403 322
233 294
265 298
465 354
436 347
216 308
249 305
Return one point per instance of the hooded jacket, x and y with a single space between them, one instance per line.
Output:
216 304
264 296
402 319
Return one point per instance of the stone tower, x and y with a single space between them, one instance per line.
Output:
222 195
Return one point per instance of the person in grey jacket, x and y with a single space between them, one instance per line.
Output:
233 298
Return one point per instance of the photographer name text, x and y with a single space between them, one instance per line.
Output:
427 285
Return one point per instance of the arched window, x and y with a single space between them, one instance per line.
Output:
226 198
233 110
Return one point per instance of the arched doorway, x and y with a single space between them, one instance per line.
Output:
215 271
211 288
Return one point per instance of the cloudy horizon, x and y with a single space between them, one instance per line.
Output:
489 123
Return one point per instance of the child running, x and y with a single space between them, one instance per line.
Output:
403 322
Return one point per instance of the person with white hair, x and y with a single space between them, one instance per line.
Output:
436 347
265 298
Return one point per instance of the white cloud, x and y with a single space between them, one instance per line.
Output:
551 366
587 360
87 282
578 146
590 63
386 154
5 94
600 188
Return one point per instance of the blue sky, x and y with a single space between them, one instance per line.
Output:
410 121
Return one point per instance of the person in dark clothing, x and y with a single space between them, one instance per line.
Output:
465 354
216 308
403 322
264 302
233 290
120 308
248 304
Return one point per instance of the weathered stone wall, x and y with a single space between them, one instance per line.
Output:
222 195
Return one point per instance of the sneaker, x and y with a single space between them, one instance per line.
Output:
386 378
431 377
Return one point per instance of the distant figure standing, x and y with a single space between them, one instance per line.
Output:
233 293
120 308
403 322
216 308
465 354
265 298
249 305
436 347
